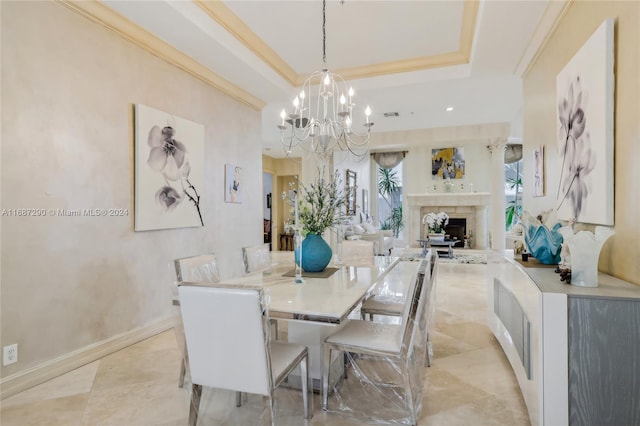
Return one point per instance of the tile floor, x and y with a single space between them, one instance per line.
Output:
469 383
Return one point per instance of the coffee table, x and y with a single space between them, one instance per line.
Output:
425 244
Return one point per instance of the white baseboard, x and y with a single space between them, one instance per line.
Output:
33 376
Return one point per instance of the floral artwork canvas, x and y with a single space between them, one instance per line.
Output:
169 170
584 98
447 163
538 171
232 184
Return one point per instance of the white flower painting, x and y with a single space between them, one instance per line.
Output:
584 95
169 175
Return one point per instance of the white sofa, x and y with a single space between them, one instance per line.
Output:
382 239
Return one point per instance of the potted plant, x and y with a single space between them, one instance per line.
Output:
320 208
435 223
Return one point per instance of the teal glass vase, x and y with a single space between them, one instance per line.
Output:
316 253
544 244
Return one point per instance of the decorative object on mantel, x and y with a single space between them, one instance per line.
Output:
585 247
542 238
435 223
323 123
320 208
447 185
169 170
585 95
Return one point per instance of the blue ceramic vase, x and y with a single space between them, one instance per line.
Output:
316 253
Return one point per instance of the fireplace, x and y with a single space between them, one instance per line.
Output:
468 216
456 230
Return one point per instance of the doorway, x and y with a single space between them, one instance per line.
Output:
267 208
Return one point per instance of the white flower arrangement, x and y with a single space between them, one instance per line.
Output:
436 221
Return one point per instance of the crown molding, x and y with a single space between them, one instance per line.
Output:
234 25
469 18
553 14
406 65
107 17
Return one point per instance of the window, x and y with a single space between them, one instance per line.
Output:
513 193
390 199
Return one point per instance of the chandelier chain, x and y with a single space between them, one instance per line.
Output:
324 31
321 123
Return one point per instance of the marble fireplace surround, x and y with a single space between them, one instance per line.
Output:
472 206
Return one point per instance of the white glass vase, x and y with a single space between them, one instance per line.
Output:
585 247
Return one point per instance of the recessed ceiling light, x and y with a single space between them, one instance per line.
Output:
448 109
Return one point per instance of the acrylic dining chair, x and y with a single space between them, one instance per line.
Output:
385 304
241 358
391 342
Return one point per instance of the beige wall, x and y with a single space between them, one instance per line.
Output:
620 256
68 89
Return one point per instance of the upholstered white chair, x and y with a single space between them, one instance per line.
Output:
387 341
357 252
256 258
200 268
241 358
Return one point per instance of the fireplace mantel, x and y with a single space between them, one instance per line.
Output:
471 204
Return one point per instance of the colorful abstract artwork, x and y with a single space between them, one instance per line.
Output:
447 163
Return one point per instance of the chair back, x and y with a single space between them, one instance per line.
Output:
256 258
223 356
201 268
414 306
419 317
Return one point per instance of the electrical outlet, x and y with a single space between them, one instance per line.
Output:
10 354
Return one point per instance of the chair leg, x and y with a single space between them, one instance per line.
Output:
238 399
271 409
428 349
409 397
196 394
326 365
183 372
304 377
345 364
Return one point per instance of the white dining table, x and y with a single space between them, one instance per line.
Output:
318 307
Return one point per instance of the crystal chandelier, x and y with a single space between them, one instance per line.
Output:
321 120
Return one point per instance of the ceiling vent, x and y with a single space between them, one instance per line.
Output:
391 114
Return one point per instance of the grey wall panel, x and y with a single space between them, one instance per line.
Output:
604 361
508 310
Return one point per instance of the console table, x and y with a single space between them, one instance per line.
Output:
575 350
286 242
